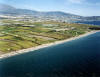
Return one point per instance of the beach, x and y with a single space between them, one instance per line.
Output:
44 45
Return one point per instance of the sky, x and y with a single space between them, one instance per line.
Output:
78 7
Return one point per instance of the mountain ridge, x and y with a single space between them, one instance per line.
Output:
10 10
5 8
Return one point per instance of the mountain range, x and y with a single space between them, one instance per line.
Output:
10 10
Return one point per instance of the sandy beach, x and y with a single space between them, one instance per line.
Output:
44 46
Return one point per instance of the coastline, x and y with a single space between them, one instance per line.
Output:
44 45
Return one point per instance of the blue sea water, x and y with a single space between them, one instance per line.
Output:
89 22
77 58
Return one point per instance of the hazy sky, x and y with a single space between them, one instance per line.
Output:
79 7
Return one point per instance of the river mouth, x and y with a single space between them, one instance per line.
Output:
75 58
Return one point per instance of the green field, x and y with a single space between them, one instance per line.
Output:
15 37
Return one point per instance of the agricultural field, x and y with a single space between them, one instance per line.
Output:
15 35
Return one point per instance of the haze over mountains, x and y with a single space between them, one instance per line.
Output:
10 10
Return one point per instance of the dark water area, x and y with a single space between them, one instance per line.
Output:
89 22
78 58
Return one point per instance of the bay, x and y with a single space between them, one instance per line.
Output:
89 22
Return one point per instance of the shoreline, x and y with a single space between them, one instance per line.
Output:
32 49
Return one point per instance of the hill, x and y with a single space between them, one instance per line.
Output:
56 15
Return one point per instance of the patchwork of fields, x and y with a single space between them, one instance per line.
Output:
15 35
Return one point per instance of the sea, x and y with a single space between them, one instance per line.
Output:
77 58
89 22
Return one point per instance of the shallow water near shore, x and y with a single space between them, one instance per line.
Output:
80 57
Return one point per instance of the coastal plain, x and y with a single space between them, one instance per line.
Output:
19 35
